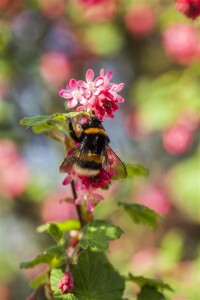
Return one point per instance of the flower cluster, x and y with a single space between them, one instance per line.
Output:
98 96
86 187
67 283
191 8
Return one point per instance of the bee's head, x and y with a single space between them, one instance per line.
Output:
93 122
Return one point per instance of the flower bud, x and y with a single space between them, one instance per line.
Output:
67 283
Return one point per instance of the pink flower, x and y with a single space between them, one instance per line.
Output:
73 93
181 42
191 8
97 95
87 196
67 283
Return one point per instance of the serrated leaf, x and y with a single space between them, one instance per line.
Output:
141 214
42 258
55 232
136 170
150 293
97 234
63 226
156 283
95 278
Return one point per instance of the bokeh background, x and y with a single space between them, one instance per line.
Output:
155 50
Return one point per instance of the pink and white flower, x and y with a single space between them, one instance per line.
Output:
96 95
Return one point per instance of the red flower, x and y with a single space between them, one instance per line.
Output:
191 8
67 283
99 181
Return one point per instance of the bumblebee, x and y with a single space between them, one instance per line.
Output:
93 152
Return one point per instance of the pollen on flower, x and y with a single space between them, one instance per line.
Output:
97 95
67 283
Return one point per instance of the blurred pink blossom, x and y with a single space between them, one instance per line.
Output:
53 209
154 197
178 138
94 10
98 96
14 172
55 67
191 8
181 42
140 19
144 260
52 8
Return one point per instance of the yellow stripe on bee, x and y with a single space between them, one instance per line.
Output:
93 157
95 131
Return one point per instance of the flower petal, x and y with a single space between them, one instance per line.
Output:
72 103
89 75
67 180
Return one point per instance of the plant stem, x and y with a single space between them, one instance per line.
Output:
78 208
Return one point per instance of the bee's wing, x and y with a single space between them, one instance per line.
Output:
112 163
68 162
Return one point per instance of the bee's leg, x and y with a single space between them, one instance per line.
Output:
73 133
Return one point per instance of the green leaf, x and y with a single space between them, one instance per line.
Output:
141 214
94 279
42 258
62 226
150 293
136 170
97 234
55 232
156 283
49 122
41 120
56 250
60 296
38 281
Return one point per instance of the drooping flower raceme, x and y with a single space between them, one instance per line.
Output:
86 187
98 95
